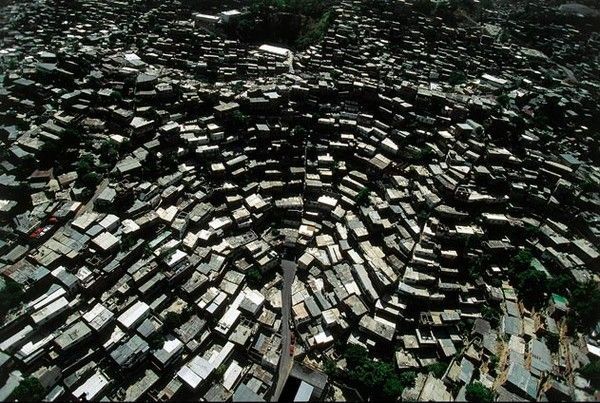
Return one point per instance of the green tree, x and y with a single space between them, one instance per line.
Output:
363 196
330 368
173 320
109 151
90 180
487 4
438 369
494 361
355 355
553 342
300 131
220 372
117 95
170 160
156 341
85 165
584 302
392 388
589 186
254 277
407 379
29 390
239 120
503 100
532 232
521 261
424 6
49 152
561 283
491 315
11 295
591 371
531 284
476 392
314 31
457 77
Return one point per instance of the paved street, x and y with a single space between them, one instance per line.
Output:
285 361
90 204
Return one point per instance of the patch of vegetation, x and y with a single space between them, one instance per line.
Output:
487 4
494 361
173 320
531 285
362 197
293 23
503 100
491 315
85 172
532 232
584 301
376 379
553 342
254 278
238 121
314 32
521 261
438 369
29 390
220 372
476 392
156 341
561 283
591 371
478 267
330 368
425 154
10 296
457 77
589 186
109 151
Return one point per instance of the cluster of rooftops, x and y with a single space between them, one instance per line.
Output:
155 173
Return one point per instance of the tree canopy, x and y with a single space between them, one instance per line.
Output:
592 372
585 300
375 378
476 392
29 390
10 295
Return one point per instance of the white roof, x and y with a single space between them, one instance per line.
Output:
195 371
218 359
84 220
109 221
133 314
176 257
105 240
190 377
93 386
50 311
276 50
129 226
231 375
98 316
206 17
304 392
172 345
